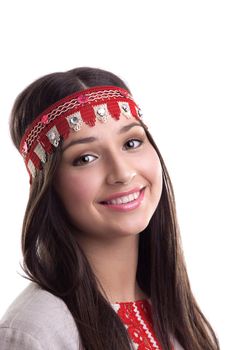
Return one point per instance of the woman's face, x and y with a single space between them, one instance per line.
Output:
109 178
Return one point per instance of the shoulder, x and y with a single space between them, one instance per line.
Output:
38 320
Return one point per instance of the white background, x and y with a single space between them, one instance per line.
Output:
177 58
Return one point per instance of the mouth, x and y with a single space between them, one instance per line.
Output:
129 201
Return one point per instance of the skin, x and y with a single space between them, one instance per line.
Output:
92 171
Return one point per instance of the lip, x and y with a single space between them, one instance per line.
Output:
126 207
122 194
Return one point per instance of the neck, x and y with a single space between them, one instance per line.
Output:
114 263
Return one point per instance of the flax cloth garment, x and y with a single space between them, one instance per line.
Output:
37 320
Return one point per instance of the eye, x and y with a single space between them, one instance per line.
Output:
83 160
133 143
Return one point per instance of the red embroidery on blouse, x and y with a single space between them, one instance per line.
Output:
137 318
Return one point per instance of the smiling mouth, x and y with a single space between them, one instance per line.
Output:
124 199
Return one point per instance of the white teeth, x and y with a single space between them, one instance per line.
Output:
125 199
131 197
135 195
118 201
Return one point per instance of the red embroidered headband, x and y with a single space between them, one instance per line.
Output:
43 136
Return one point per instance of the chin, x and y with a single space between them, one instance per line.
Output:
130 229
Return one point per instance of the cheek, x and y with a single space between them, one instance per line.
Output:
157 171
77 189
152 167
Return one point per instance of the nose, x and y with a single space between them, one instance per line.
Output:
120 171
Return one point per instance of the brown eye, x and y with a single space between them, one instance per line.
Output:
83 160
133 143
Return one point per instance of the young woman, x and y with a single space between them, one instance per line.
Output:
100 236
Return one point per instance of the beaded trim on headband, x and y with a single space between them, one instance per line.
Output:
43 136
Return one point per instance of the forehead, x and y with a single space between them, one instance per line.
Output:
108 130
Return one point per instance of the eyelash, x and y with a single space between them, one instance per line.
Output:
78 160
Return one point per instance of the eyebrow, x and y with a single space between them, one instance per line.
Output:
93 139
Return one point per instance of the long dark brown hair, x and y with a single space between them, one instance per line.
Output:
54 260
